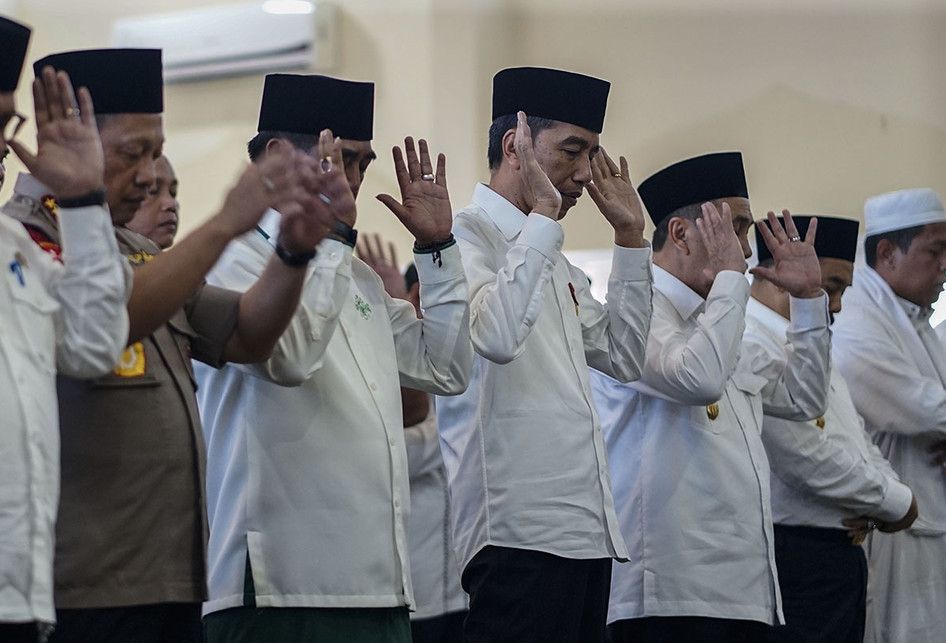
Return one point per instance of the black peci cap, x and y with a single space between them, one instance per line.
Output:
837 238
121 81
309 104
551 93
14 39
696 180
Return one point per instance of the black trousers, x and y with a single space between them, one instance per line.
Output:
520 595
687 629
161 623
446 628
22 632
823 578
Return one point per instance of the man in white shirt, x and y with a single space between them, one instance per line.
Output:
826 472
68 318
533 519
691 479
307 478
895 368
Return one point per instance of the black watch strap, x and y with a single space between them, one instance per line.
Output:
294 261
95 197
344 233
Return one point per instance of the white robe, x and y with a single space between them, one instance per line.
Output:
896 372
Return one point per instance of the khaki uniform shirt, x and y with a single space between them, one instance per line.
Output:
132 525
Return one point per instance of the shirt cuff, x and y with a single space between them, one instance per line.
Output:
896 502
542 234
86 230
631 264
729 283
434 270
809 314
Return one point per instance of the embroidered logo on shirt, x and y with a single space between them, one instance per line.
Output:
132 361
362 307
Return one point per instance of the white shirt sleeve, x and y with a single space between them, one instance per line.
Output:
615 335
797 387
423 447
92 286
803 457
691 365
434 354
505 300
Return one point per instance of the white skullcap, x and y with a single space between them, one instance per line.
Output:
902 209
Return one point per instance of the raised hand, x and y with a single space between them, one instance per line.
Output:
371 251
69 158
335 191
545 199
719 237
616 198
796 267
268 184
425 204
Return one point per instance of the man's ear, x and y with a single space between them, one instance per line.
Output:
509 148
275 145
678 232
887 253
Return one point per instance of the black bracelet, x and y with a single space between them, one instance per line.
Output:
294 261
95 197
436 246
344 233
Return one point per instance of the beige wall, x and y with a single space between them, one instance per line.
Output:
828 106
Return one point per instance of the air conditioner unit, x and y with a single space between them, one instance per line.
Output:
244 38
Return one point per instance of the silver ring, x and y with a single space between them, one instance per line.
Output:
267 183
73 112
326 164
618 175
427 177
325 199
794 239
871 525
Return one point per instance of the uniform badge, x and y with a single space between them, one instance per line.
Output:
712 411
50 205
362 307
820 423
132 361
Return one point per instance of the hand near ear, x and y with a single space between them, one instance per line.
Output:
722 246
545 199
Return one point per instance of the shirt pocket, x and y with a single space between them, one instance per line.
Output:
36 311
750 385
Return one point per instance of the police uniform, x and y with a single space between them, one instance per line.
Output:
131 534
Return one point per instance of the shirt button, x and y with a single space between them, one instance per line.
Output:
373 386
397 503
391 441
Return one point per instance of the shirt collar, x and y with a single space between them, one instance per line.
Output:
29 186
684 299
507 217
767 317
918 315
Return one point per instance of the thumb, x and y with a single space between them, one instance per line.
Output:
27 157
394 206
764 272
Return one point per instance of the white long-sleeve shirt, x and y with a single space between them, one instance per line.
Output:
690 474
523 450
69 318
824 470
434 569
306 464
